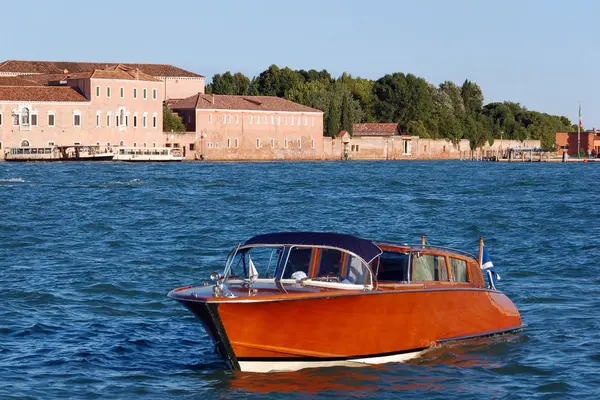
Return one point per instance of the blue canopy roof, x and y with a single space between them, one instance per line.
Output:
361 247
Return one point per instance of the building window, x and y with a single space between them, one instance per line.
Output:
51 119
250 119
145 93
25 116
312 121
285 144
217 144
144 118
108 92
108 120
76 143
135 121
258 119
299 143
224 118
122 92
154 144
108 144
228 143
77 119
257 143
154 119
272 143
285 120
228 118
264 119
312 143
272 120
51 143
145 144
235 142
127 120
24 143
98 120
0 118
134 144
352 148
236 119
305 121
356 147
135 93
155 95
117 121
121 143
192 147
210 118
406 147
278 120
34 120
97 91
298 121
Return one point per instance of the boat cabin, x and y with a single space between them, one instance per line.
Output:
344 262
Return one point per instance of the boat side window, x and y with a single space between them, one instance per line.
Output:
428 267
459 270
330 263
298 260
393 266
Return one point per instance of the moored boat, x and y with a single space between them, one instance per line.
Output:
293 300
60 153
149 154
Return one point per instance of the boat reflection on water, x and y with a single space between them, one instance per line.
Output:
429 373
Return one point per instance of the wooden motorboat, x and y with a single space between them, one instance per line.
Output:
293 300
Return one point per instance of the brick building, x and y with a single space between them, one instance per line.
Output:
567 142
226 127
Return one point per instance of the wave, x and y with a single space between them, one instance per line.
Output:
12 180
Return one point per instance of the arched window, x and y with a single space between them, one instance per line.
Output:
25 116
25 143
122 119
121 143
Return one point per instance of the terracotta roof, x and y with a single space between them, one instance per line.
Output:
342 133
230 102
375 129
16 81
41 93
116 72
57 67
43 79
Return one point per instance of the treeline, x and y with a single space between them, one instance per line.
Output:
419 107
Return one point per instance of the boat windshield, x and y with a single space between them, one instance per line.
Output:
254 263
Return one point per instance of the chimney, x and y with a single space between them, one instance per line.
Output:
212 98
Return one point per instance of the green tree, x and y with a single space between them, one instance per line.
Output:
472 97
172 122
236 84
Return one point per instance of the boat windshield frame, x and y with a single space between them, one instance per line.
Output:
283 263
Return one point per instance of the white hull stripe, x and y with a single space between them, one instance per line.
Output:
273 366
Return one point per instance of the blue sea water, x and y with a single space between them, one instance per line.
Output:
88 253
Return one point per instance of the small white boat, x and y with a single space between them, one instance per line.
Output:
151 154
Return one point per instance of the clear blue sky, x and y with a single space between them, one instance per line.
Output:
542 53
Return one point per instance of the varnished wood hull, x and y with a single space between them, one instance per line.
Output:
349 328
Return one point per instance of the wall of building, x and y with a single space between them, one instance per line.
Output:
411 147
567 142
180 88
98 117
253 135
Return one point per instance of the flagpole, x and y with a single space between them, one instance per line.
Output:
480 251
579 132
